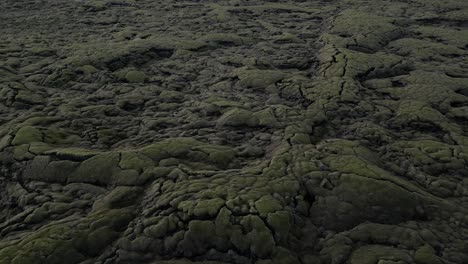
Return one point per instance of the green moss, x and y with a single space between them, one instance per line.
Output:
5 141
266 118
42 248
161 228
287 37
128 178
23 258
97 169
171 96
259 238
59 136
135 77
135 161
119 197
415 150
261 243
386 234
457 15
187 261
219 155
208 208
30 134
69 241
22 152
426 255
96 5
223 223
285 256
173 147
36 216
267 204
200 236
68 254
371 132
258 78
28 97
116 219
281 224
117 55
26 135
87 69
417 111
392 202
187 206
366 31
60 77
452 36
39 147
286 185
223 103
351 164
424 50
373 253
238 117
170 162
300 138
99 239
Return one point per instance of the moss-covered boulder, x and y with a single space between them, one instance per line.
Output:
135 77
238 117
26 135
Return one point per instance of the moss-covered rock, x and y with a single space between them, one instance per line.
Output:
261 243
99 239
425 255
173 147
374 253
219 155
280 221
259 78
267 204
161 228
266 118
5 141
238 117
87 69
208 208
27 97
119 197
97 169
259 238
200 236
26 135
36 216
135 77
135 161
21 152
300 138
60 242
391 203
171 96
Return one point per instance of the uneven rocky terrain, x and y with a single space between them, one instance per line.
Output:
267 132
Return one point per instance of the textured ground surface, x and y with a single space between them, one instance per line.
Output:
284 132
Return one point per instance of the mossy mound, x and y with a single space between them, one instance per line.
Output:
135 77
238 117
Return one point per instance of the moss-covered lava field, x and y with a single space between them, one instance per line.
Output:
244 132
